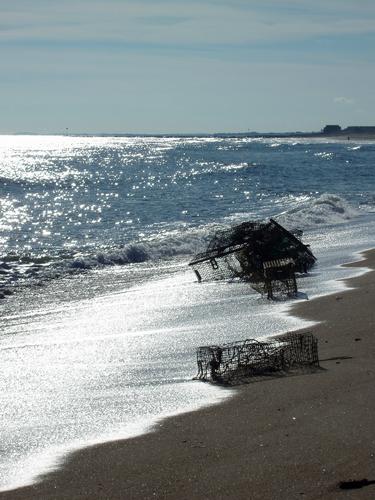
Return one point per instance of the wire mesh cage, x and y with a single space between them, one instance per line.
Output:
233 362
218 267
264 254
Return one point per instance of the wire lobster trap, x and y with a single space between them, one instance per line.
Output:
264 254
233 362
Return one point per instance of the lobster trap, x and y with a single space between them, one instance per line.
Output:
265 254
236 361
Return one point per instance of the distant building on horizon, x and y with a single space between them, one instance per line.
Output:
357 129
332 129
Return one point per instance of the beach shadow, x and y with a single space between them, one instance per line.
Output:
337 358
262 377
354 484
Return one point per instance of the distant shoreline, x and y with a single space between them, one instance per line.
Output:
359 136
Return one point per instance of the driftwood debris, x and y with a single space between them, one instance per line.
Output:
265 254
231 363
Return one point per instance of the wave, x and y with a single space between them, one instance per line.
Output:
309 214
21 270
325 210
173 244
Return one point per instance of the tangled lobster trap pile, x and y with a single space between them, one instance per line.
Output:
265 254
235 362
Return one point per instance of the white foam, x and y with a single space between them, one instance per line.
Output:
318 212
130 357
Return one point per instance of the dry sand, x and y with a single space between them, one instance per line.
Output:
281 438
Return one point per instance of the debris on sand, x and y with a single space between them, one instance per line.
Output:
237 361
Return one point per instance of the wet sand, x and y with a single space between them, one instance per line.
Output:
281 438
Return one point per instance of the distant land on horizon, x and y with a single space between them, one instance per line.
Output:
327 131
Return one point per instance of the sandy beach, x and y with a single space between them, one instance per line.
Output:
281 438
351 137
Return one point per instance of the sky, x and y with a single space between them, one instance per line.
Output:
185 66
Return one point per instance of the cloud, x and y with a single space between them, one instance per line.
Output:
177 22
163 20
343 100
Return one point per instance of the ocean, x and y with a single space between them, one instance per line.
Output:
100 314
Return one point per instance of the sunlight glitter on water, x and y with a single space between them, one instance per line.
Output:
96 234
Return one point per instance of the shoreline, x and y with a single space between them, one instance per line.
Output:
303 447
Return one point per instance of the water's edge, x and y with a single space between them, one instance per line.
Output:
55 458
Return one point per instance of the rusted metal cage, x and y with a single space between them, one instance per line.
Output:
264 254
231 363
279 276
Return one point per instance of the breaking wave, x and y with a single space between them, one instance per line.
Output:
17 270
310 214
325 210
169 245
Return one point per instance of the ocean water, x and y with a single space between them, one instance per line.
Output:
100 315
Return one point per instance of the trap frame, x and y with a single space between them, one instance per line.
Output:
265 254
232 362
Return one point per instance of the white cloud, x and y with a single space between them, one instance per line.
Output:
191 22
343 100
